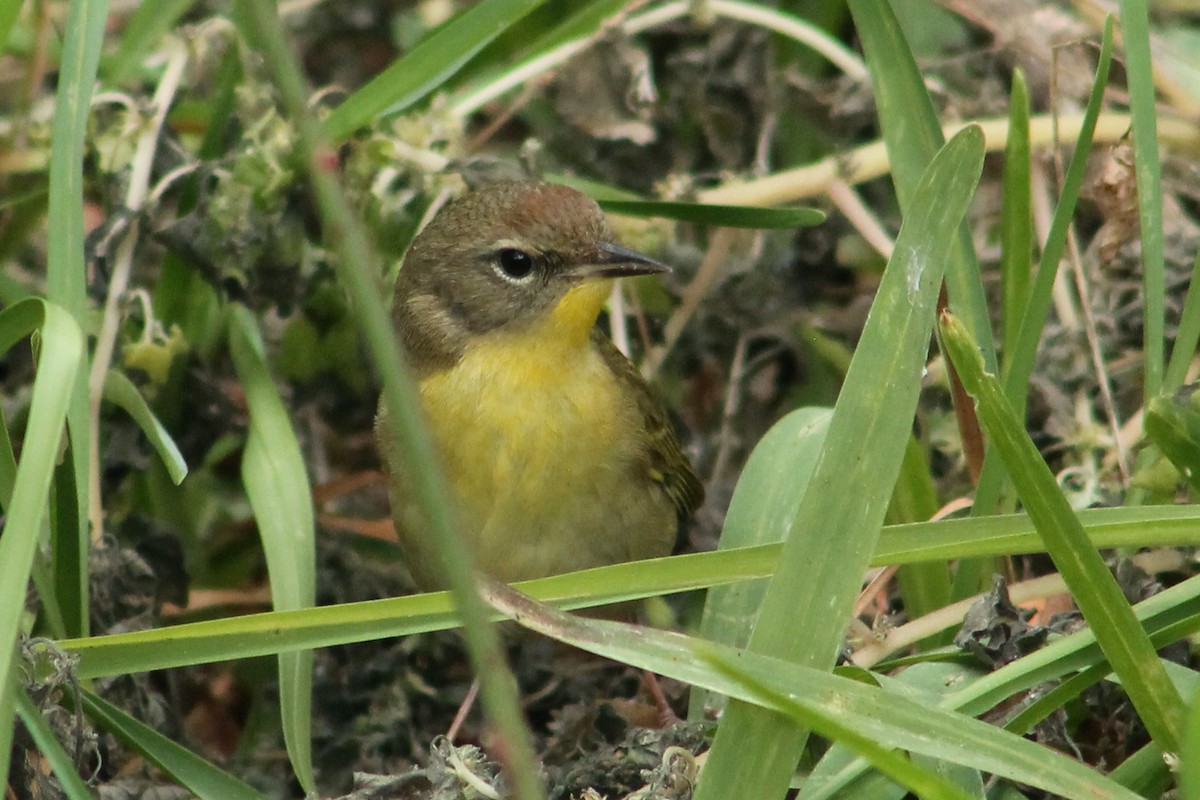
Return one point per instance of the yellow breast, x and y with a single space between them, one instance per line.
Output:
544 452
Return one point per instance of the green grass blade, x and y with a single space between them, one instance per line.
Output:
764 504
66 280
1188 335
1173 423
1168 616
1135 35
1020 366
8 463
913 135
1145 772
1019 360
58 367
428 65
61 763
1123 640
277 484
890 719
190 770
805 611
726 216
1016 216
1189 775
120 390
358 270
923 782
269 633
9 12
1009 534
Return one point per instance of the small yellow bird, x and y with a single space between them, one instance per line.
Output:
556 453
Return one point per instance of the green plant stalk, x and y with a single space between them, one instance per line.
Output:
1188 335
62 764
897 765
354 268
269 632
1135 33
1171 616
121 391
191 771
912 137
1145 772
888 718
1019 368
66 280
58 369
764 504
1122 639
1016 261
426 68
1189 776
1019 360
276 483
804 613
1016 216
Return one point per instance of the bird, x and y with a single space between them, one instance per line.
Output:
557 455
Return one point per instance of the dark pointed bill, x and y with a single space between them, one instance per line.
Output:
615 261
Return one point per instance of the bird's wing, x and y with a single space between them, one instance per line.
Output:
668 465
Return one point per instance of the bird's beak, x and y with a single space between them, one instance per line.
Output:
614 261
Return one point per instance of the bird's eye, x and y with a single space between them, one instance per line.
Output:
514 264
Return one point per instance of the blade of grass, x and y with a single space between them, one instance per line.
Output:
427 66
8 18
358 270
1145 772
1009 534
1018 363
1135 34
191 771
912 135
1189 775
839 774
889 719
1096 592
1016 216
66 282
764 504
1188 335
1020 366
1172 422
58 369
277 484
923 782
61 763
808 604
1169 616
260 634
120 390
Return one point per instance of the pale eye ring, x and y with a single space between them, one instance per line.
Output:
514 264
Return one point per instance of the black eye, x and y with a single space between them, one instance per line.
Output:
514 263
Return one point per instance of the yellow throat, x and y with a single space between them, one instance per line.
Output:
537 436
